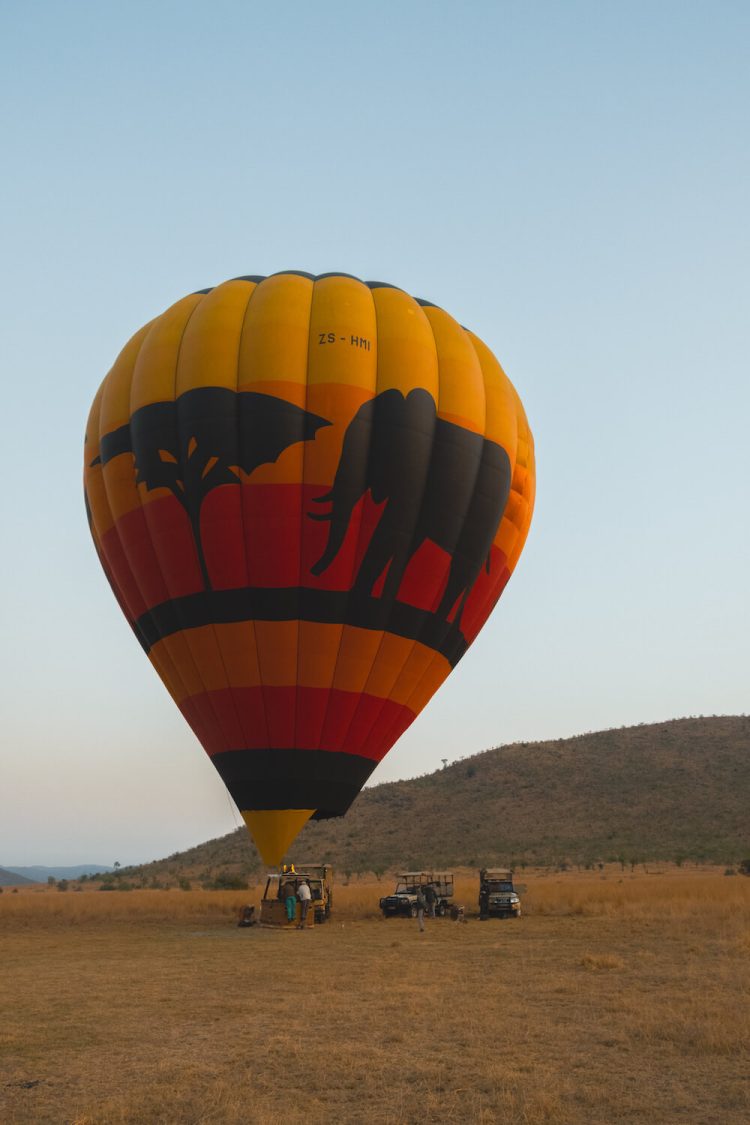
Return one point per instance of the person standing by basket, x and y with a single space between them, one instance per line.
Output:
304 894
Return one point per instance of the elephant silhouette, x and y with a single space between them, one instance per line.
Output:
440 482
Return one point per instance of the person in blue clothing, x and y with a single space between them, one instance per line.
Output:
288 894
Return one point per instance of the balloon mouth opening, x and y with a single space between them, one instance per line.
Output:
275 830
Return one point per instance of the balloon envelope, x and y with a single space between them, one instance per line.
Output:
307 494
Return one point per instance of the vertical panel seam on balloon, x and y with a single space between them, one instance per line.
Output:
113 527
484 438
484 386
415 640
302 517
531 469
96 535
184 632
115 524
235 707
359 529
242 517
386 699
212 626
178 675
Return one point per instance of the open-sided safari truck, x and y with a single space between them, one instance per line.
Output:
319 877
410 883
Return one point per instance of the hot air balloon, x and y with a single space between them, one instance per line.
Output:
307 494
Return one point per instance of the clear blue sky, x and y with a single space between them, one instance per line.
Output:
570 180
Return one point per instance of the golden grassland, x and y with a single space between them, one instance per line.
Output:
620 997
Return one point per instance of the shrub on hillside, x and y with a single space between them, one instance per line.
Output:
226 882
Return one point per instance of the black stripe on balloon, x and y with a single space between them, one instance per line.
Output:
293 603
324 780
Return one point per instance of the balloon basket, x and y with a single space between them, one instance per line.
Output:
273 916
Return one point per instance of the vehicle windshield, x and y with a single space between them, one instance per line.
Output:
496 887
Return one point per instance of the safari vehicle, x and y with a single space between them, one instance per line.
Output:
404 898
320 878
497 896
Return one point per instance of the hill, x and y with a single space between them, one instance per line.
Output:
12 879
670 791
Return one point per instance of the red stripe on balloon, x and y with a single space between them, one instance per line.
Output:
234 719
261 536
120 574
151 551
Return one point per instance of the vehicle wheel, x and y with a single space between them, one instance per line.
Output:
413 911
440 910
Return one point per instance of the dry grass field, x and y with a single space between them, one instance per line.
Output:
616 998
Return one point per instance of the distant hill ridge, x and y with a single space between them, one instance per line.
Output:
12 879
40 874
673 790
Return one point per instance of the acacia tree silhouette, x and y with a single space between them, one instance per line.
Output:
203 440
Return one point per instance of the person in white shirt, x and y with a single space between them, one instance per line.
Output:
304 895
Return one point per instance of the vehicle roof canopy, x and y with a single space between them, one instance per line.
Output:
290 876
429 875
